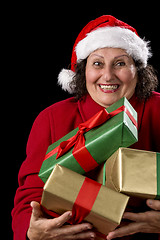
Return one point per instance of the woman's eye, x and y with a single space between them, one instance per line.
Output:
120 64
97 64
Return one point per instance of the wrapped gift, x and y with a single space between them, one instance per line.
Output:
90 201
133 172
90 144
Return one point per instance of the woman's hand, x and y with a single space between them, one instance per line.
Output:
43 228
147 222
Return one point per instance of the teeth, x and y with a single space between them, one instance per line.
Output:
109 87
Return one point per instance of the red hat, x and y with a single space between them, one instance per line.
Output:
105 31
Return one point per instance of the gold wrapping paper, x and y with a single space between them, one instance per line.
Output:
133 172
62 188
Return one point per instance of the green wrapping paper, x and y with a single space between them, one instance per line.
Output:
101 142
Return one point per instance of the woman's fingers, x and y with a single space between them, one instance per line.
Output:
79 231
36 210
145 222
125 231
139 217
154 204
54 228
59 221
82 235
74 229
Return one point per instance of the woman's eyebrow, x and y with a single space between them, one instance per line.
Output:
97 55
123 55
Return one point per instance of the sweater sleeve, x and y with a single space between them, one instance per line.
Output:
155 123
30 185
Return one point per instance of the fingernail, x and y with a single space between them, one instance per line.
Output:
89 227
92 235
150 202
70 214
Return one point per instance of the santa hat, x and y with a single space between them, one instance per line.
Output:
105 31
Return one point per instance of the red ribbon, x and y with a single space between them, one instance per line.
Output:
80 152
55 215
79 140
85 200
83 203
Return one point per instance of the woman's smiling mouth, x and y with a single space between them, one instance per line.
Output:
108 88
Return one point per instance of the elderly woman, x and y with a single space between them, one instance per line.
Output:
109 61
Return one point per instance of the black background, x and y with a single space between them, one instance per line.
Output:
38 41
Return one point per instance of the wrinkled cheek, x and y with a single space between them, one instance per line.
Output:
91 79
132 74
91 76
129 78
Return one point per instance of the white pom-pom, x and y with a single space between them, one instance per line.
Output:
64 79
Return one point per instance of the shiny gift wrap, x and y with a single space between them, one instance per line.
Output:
67 190
84 148
133 172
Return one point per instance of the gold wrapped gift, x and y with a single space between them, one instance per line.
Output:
62 189
133 172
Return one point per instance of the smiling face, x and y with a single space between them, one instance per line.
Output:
110 75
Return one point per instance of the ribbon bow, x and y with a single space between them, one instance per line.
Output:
78 140
80 152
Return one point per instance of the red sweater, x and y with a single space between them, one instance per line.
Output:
52 124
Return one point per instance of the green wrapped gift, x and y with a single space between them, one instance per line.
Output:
94 141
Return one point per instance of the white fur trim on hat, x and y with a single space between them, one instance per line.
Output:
64 79
115 37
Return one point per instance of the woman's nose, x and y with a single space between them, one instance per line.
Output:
107 74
